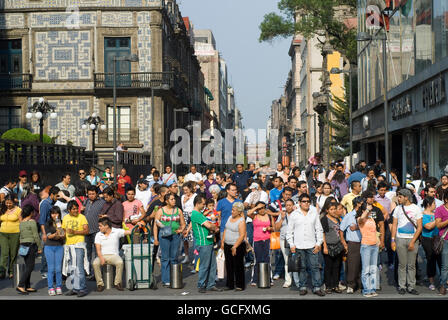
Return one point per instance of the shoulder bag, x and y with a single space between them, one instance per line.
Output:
437 242
275 235
167 231
334 249
23 250
410 220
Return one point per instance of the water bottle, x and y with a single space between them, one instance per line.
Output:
59 227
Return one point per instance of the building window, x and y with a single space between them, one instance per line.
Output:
123 123
9 118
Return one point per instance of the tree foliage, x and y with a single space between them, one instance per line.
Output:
315 18
340 139
22 134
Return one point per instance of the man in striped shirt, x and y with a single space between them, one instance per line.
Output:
92 210
204 245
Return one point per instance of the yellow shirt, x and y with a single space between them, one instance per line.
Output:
10 221
347 201
76 224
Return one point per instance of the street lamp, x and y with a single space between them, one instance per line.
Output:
350 71
364 36
131 58
41 109
93 123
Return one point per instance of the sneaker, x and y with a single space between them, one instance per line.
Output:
328 291
432 287
374 294
193 271
215 288
342 287
253 284
414 292
58 291
286 285
337 290
166 285
276 277
401 291
367 295
44 275
349 290
51 292
186 260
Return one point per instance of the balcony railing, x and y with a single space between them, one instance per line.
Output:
135 80
15 81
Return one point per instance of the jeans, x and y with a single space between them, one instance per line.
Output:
29 265
261 249
91 250
369 260
279 262
79 281
207 267
285 252
169 247
311 260
54 256
444 270
250 239
406 260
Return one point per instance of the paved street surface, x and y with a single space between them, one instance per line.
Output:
190 292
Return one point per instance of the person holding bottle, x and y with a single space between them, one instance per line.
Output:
54 251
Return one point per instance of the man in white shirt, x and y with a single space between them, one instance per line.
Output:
194 175
305 236
143 192
107 243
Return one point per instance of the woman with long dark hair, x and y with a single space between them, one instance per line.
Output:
29 197
339 183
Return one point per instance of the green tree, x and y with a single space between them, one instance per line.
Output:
340 139
22 134
316 18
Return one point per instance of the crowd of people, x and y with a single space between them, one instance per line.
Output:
337 221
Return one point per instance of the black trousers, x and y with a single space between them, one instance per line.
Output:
432 260
235 266
29 265
354 265
332 270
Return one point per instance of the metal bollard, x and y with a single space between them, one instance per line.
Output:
264 275
108 276
19 269
176 276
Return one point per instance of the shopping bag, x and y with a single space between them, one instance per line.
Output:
220 264
294 262
275 240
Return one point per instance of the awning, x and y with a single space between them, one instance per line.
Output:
209 94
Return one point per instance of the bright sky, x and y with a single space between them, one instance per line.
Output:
257 71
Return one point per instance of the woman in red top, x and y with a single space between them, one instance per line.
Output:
263 226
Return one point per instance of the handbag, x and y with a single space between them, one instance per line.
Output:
220 264
335 249
294 262
275 240
437 242
23 250
167 231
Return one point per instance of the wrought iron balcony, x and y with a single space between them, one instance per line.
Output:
135 80
15 81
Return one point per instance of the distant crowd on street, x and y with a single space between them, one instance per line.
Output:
340 226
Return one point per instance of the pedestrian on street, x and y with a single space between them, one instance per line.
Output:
107 243
204 244
441 216
54 251
168 216
9 234
112 208
75 227
234 246
187 200
29 238
65 185
305 236
406 228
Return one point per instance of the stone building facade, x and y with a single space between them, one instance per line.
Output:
63 51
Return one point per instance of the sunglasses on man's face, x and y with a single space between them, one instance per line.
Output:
82 173
306 201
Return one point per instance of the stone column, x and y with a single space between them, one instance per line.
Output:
157 110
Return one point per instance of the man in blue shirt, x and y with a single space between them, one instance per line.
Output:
224 207
44 216
241 176
276 192
358 174
353 242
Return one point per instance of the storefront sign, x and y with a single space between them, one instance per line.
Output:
433 92
401 108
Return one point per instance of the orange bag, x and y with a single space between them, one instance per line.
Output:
275 240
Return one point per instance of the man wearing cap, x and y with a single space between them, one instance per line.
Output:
173 188
18 189
406 228
143 193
